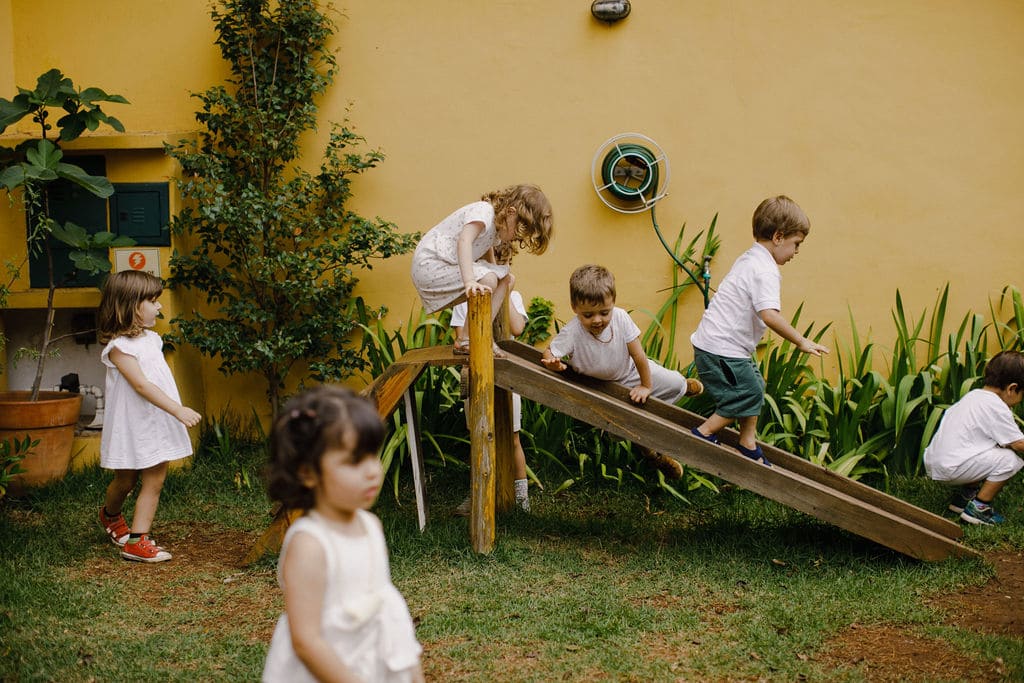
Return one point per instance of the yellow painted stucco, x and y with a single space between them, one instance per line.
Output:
895 124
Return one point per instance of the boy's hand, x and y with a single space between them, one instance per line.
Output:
639 394
553 364
812 348
188 417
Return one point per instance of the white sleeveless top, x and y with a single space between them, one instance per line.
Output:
364 617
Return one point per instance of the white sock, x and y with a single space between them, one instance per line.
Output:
522 494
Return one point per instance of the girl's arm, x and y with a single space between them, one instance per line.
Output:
639 393
464 250
777 323
305 583
132 371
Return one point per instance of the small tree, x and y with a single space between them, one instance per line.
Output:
30 169
276 250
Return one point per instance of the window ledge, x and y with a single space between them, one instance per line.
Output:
84 297
154 140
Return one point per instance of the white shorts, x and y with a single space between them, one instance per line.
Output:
517 412
996 464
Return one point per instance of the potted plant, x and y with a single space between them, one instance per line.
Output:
28 171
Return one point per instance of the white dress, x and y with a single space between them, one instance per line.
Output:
607 357
136 434
435 263
364 617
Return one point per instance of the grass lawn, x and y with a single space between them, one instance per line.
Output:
598 583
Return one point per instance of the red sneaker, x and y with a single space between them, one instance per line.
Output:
116 528
145 550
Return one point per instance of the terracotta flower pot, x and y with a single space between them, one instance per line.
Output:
52 420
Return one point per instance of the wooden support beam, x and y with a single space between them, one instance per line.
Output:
481 425
412 425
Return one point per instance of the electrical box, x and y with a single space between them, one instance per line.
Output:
140 211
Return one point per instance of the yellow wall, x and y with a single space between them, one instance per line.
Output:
896 125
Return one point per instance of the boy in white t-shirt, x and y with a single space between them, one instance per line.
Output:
978 439
602 341
748 302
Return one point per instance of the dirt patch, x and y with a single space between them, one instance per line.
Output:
998 606
893 653
205 574
884 654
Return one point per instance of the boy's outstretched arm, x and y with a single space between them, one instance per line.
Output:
639 393
549 361
781 326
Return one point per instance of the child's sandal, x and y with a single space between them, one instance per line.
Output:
461 348
755 454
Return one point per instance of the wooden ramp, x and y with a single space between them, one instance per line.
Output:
793 481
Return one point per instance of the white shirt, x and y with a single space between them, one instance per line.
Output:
731 326
976 423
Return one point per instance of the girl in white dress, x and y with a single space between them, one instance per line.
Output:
344 620
144 426
455 259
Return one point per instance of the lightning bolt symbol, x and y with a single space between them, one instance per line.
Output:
136 261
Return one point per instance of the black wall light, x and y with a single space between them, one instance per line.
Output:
610 11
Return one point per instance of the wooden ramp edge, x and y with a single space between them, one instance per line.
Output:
777 456
387 390
884 519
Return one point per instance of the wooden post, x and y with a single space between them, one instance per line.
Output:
481 424
505 475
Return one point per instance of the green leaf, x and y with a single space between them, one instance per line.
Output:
97 185
12 177
45 155
12 111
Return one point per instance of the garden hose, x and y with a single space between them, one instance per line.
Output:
630 162
705 286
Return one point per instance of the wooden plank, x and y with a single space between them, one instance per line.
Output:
779 457
504 486
481 425
640 426
505 476
412 425
389 387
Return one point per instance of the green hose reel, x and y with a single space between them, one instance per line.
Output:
630 171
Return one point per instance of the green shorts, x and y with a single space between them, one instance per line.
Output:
735 384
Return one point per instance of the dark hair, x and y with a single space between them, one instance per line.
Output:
310 424
591 284
779 215
122 294
1005 368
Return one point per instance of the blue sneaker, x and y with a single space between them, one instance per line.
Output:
976 512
